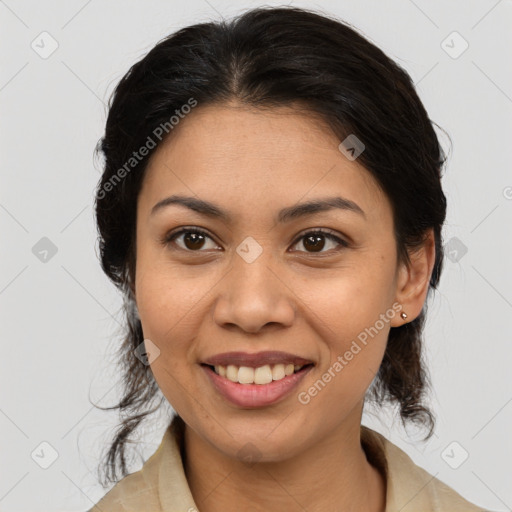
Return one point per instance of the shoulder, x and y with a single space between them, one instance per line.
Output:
410 488
161 484
136 491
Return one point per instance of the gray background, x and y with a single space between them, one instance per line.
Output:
60 317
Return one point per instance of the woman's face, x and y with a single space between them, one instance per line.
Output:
260 279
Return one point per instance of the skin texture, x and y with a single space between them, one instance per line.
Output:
195 303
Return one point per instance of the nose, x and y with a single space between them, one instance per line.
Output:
253 296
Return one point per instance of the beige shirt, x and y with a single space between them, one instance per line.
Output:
161 484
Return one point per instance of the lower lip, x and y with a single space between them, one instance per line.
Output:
255 395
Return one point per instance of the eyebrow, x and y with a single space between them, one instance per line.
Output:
285 215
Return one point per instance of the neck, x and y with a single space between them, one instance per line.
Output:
334 470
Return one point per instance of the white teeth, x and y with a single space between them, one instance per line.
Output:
278 372
245 375
261 375
232 373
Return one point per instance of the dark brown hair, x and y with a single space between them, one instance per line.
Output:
270 57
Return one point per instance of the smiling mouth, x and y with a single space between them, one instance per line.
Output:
260 375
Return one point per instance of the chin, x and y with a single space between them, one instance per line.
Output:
266 442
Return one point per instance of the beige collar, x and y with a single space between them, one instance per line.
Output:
409 487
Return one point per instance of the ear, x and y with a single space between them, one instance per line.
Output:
414 279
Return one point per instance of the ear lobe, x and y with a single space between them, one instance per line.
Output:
414 278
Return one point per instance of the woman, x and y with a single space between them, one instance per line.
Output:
271 208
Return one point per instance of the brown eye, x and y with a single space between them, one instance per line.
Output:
192 239
315 241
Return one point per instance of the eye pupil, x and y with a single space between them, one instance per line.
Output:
317 242
193 240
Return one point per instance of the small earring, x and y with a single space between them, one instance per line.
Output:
403 315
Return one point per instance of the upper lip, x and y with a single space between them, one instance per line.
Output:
256 359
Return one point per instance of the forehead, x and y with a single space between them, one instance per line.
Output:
255 159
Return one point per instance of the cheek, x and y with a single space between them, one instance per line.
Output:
164 301
340 384
169 308
160 315
360 359
164 321
345 305
352 318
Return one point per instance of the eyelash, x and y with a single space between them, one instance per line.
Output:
170 237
